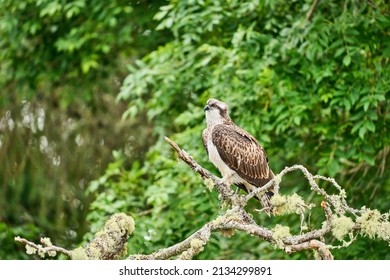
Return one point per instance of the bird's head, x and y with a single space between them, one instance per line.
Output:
216 112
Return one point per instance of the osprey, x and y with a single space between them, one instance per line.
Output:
236 153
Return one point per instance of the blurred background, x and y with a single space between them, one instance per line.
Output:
89 88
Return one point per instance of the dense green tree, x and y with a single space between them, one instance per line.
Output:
61 65
71 43
310 79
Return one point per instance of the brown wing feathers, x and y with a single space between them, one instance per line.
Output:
242 153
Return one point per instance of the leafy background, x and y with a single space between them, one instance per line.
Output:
311 84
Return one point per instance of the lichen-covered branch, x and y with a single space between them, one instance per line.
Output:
234 220
43 249
335 220
340 221
109 243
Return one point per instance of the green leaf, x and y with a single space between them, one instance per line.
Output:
297 120
356 126
89 63
370 126
339 52
366 105
347 60
362 132
333 167
369 159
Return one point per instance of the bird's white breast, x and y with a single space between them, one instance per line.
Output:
225 170
216 159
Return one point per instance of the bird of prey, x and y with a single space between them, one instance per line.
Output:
236 153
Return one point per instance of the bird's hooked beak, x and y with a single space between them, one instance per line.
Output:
206 108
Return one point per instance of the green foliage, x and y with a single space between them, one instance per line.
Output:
61 63
10 250
313 92
70 44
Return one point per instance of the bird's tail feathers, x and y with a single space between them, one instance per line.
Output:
265 200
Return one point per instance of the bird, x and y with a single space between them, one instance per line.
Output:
237 155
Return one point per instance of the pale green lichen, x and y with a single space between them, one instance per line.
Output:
196 244
41 253
278 233
343 194
219 220
110 242
317 255
228 232
209 184
231 215
95 249
185 255
40 250
223 219
30 250
120 222
52 253
46 241
341 226
224 204
285 205
79 254
337 203
384 231
237 200
374 225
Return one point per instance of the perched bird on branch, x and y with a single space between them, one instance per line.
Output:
236 153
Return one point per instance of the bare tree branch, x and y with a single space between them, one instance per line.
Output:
313 244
